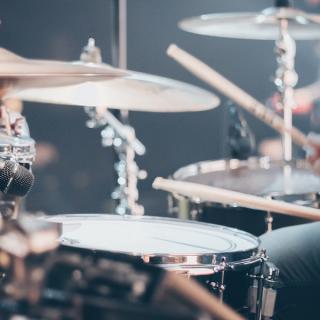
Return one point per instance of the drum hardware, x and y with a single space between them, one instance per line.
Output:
122 137
285 80
268 221
77 84
207 193
281 23
45 282
119 42
262 293
220 286
193 251
257 176
308 199
262 25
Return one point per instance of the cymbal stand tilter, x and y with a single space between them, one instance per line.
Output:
122 137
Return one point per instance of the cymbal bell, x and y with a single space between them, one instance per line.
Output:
136 92
262 25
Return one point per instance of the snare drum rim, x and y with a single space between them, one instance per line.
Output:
202 259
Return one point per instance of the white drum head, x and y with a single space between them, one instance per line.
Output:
153 236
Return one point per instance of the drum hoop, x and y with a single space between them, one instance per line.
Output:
170 259
208 166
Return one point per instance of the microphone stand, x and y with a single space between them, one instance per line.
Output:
16 145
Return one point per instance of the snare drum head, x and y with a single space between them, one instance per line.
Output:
156 237
256 176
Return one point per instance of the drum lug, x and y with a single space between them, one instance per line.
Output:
220 286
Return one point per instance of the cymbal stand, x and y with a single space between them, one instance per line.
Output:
122 137
285 80
119 42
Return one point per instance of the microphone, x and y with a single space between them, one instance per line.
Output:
14 178
241 140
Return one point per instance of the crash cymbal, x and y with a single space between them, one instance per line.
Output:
17 72
262 25
135 92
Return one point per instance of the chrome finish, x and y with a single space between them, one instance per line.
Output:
15 145
257 176
285 80
192 249
119 34
123 139
185 252
262 293
21 149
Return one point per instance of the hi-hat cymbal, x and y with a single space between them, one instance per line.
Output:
17 72
135 92
262 25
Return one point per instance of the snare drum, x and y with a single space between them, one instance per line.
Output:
219 257
295 183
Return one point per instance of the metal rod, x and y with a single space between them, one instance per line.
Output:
286 78
119 42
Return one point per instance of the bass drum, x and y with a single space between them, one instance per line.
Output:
294 183
220 258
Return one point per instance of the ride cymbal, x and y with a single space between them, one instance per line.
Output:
262 25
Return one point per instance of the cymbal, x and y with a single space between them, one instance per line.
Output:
18 72
262 25
135 92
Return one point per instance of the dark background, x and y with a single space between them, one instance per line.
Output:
82 177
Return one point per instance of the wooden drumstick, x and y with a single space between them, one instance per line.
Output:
232 91
219 195
195 294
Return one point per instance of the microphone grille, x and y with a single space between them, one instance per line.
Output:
21 179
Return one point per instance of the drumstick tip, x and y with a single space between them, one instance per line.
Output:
172 48
157 183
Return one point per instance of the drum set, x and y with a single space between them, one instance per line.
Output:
126 265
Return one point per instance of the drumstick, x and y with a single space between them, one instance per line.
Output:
232 91
213 194
195 294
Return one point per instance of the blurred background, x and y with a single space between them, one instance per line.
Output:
74 173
